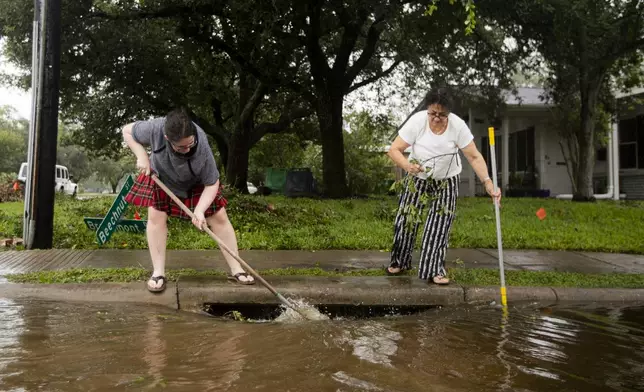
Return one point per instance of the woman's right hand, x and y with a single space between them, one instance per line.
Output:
143 164
413 168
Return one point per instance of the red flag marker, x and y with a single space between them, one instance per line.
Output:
541 214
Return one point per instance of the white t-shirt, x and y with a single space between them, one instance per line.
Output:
437 153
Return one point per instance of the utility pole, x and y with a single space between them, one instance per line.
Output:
43 136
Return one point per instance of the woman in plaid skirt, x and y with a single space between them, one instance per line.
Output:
182 159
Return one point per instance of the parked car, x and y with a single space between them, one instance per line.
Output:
64 182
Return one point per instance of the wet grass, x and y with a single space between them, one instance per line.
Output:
463 276
277 222
12 207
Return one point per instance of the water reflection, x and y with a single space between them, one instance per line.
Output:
177 359
71 346
154 350
545 341
505 382
11 328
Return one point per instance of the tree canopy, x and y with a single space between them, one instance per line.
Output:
592 49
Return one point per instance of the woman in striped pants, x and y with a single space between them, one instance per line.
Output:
435 137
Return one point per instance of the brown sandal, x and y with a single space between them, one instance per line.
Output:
400 271
440 280
235 278
156 280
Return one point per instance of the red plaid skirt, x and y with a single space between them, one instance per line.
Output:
146 193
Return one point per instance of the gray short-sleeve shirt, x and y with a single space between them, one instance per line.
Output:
177 172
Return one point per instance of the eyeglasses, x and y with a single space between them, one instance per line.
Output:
438 115
186 147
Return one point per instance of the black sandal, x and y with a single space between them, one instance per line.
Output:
156 280
235 278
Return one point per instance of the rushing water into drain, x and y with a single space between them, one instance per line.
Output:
305 311
85 347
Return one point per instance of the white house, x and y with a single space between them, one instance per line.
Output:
530 161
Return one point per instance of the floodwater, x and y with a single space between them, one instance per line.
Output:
53 346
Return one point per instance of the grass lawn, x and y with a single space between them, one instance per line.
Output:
478 277
367 224
12 208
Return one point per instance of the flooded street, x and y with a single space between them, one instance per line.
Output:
51 346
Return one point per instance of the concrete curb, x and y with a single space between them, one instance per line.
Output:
91 292
599 295
321 290
486 294
191 294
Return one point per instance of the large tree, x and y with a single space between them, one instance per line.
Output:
13 136
354 43
346 45
121 63
591 48
261 105
112 171
132 59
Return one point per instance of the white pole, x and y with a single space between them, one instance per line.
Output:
504 299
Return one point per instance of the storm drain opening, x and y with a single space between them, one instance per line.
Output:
255 311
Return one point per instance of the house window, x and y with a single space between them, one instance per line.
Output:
602 154
631 143
522 151
521 156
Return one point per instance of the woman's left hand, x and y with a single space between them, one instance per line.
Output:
199 220
496 195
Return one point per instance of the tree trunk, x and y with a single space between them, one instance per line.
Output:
329 111
586 142
584 175
222 147
217 135
237 161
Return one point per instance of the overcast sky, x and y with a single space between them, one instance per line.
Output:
17 98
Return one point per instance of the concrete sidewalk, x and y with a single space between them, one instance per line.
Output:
539 260
192 293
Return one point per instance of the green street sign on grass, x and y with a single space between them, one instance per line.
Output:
108 225
124 225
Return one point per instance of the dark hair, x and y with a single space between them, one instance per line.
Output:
179 125
439 96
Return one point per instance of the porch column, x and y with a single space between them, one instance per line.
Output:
505 170
615 146
540 154
471 184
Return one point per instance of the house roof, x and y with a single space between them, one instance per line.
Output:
632 92
525 96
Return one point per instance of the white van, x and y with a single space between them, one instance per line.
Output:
64 183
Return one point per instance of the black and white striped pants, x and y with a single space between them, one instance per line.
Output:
442 204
